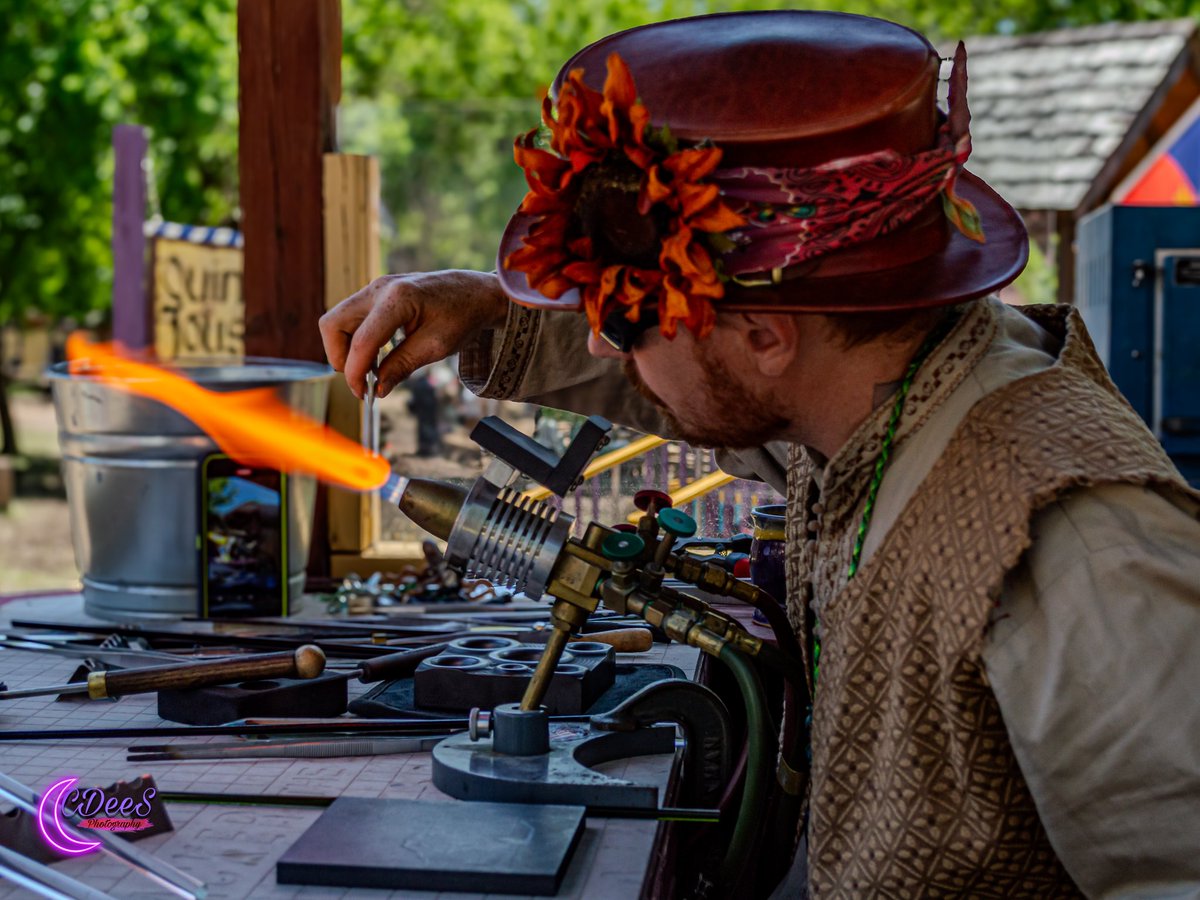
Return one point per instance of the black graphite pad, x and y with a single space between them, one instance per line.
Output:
500 848
324 695
395 698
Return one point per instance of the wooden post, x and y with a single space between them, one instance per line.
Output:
289 78
131 311
352 258
1065 257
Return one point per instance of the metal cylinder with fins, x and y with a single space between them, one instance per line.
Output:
508 538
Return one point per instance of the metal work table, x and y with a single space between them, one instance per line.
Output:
234 848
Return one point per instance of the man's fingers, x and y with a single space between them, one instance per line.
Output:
420 349
392 306
372 333
354 331
339 324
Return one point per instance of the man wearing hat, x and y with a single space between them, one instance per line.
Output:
766 222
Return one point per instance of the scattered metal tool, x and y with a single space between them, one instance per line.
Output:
305 662
388 666
76 651
370 434
209 639
283 749
433 585
395 665
81 673
43 880
176 881
393 727
662 813
358 626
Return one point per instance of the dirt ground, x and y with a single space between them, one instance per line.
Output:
35 531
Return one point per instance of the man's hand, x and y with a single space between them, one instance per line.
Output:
439 312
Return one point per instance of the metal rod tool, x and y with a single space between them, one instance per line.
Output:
409 726
353 651
305 662
284 749
370 434
43 880
662 814
82 651
176 881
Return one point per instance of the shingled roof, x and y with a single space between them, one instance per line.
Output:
1057 116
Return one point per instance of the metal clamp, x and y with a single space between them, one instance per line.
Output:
525 455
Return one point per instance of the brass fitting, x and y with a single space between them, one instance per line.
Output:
707 641
565 618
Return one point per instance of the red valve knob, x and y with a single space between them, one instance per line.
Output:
652 501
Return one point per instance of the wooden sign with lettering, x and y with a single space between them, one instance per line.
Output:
199 311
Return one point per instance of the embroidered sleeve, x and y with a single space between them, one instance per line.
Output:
494 364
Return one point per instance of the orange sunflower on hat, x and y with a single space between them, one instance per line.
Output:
623 213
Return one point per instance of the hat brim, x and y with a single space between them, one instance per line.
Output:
961 270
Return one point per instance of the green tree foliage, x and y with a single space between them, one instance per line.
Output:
437 89
69 71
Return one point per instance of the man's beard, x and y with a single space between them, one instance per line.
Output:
741 417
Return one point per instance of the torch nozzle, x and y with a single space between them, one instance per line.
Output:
431 505
393 489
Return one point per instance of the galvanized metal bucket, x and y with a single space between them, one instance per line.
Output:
131 467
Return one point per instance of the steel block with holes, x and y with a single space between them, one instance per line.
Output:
485 672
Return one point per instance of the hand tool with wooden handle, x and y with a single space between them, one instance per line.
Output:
304 662
395 665
623 640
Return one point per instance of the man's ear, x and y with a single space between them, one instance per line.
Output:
771 339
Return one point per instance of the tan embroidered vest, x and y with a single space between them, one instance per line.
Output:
915 791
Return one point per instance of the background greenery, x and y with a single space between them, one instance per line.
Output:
436 88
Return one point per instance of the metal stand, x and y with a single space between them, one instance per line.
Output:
518 757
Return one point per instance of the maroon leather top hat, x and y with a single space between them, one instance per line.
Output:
838 185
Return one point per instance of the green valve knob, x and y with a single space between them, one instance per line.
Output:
622 545
678 523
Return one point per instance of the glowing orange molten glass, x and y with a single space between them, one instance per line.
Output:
253 426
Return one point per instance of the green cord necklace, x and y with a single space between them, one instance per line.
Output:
885 453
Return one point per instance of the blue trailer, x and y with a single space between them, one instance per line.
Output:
1138 289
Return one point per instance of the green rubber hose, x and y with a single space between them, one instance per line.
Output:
759 755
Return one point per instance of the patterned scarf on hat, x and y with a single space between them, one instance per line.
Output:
794 215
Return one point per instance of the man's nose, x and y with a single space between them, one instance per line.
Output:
602 349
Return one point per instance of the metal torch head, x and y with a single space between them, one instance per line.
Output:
491 532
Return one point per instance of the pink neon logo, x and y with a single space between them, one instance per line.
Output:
51 825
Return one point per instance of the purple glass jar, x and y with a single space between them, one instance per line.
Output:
767 551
